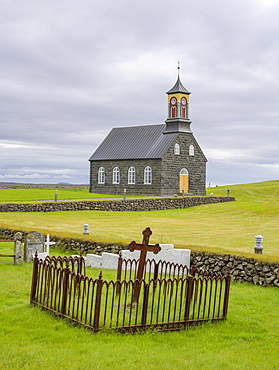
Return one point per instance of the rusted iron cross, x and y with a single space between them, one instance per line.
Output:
144 248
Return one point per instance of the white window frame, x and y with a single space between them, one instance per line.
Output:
147 175
176 149
131 175
191 150
116 175
101 175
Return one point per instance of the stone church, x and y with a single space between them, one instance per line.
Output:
162 159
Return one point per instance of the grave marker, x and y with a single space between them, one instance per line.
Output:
18 248
48 243
34 242
143 248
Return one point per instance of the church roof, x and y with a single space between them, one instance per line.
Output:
178 87
135 142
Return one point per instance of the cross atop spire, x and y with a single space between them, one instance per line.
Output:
178 67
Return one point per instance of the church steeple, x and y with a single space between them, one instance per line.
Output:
178 108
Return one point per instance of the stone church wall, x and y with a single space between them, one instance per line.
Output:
173 163
139 188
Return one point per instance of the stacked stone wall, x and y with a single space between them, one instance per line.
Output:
131 189
242 269
146 204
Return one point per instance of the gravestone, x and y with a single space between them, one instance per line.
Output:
18 248
34 242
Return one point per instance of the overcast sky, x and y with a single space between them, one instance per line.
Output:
72 70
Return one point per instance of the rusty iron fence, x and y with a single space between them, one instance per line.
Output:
59 285
6 239
127 269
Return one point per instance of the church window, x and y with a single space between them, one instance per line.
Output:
173 107
191 150
116 175
183 108
183 171
101 175
148 175
176 149
131 175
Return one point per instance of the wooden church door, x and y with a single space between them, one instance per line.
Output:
184 181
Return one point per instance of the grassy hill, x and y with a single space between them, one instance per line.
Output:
225 227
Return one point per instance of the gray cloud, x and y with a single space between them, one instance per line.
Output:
70 71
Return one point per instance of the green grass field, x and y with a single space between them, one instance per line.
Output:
225 227
248 339
42 194
34 339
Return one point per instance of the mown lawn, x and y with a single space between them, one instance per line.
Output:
225 227
41 194
34 339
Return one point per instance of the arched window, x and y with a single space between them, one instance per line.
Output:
131 175
148 175
191 150
183 171
183 103
101 175
173 107
176 149
116 175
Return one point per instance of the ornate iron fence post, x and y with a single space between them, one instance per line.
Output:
98 302
65 288
80 264
119 270
189 294
34 278
194 268
145 304
227 292
156 269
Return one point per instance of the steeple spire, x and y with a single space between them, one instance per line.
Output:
178 107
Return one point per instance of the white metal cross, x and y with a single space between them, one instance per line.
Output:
48 243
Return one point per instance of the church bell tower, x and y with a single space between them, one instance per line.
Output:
178 108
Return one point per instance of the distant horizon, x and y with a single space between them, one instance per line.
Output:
209 185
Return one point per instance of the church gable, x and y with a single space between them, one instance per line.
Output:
184 157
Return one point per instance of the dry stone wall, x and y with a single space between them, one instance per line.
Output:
242 269
145 204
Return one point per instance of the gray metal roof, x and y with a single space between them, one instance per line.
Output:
135 142
178 87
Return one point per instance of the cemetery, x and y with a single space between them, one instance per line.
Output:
251 314
165 296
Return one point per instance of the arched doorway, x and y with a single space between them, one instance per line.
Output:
184 181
